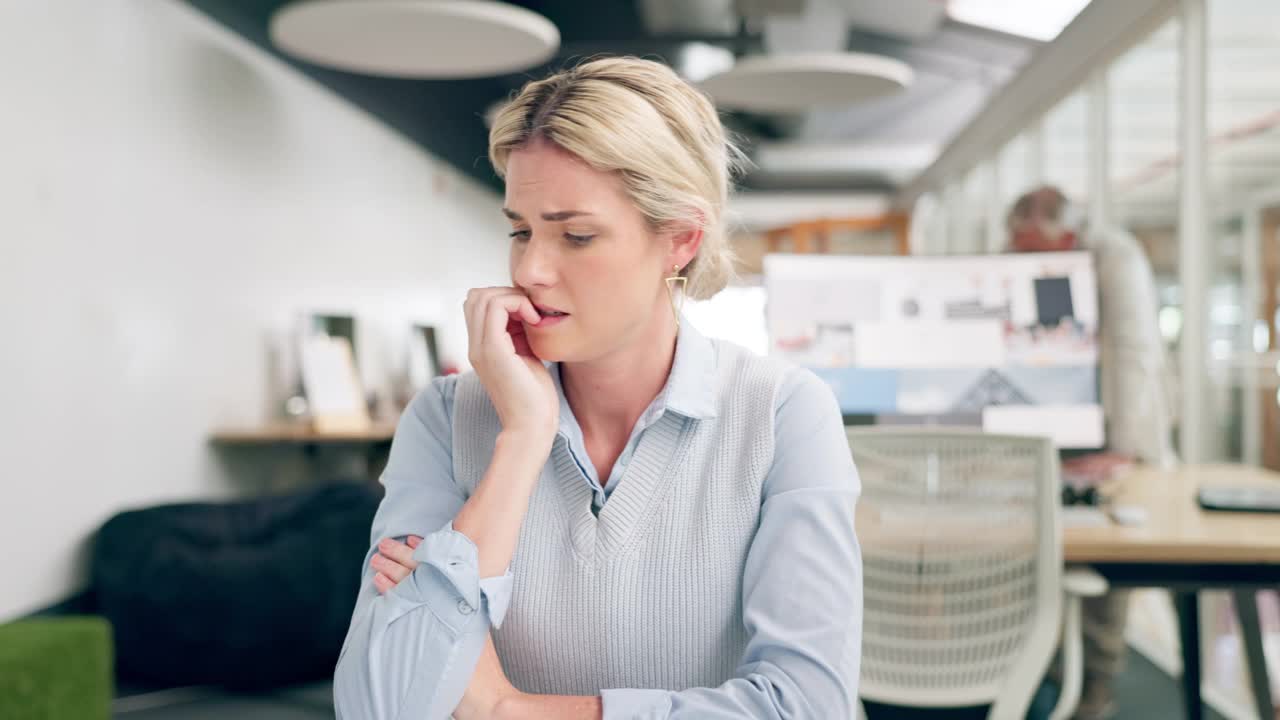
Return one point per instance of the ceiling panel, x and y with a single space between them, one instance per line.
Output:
957 68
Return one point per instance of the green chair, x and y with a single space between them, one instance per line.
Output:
56 668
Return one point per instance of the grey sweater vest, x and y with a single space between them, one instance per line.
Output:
649 593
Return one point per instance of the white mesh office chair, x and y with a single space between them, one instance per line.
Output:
965 592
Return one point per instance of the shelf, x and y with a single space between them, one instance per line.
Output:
301 433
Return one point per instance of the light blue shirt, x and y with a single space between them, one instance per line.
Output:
411 653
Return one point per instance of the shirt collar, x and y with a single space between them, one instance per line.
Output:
690 387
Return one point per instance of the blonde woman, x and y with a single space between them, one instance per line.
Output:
612 516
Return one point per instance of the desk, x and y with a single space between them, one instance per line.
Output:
1186 549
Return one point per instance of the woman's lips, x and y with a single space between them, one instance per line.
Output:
547 321
548 316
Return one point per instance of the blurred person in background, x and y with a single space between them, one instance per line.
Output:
1136 401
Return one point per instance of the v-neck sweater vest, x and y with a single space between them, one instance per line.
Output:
648 593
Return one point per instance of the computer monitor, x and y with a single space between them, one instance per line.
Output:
1008 343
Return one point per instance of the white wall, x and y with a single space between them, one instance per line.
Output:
169 194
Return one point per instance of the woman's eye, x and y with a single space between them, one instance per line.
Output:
519 234
578 239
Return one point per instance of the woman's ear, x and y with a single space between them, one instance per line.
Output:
685 240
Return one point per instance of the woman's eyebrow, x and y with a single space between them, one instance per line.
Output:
550 217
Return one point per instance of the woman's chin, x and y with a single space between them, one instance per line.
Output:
547 350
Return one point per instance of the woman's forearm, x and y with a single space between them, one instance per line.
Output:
492 517
564 707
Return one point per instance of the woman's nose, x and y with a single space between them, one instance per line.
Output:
534 265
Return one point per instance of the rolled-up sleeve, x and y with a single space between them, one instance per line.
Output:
802 585
411 652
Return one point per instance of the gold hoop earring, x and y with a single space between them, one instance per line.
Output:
676 304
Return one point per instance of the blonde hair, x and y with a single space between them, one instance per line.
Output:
661 136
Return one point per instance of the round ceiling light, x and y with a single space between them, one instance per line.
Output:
798 82
441 39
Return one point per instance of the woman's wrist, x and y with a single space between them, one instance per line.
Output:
526 448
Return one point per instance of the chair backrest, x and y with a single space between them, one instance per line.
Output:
962 556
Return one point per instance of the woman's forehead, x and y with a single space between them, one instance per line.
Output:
550 180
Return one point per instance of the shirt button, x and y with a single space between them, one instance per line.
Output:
464 607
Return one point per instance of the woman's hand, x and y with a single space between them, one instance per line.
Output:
393 562
517 382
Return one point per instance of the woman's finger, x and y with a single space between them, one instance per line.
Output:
476 309
398 552
390 568
516 302
382 583
519 338
501 309
414 541
473 311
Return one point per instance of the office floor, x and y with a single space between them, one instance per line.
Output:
1143 693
